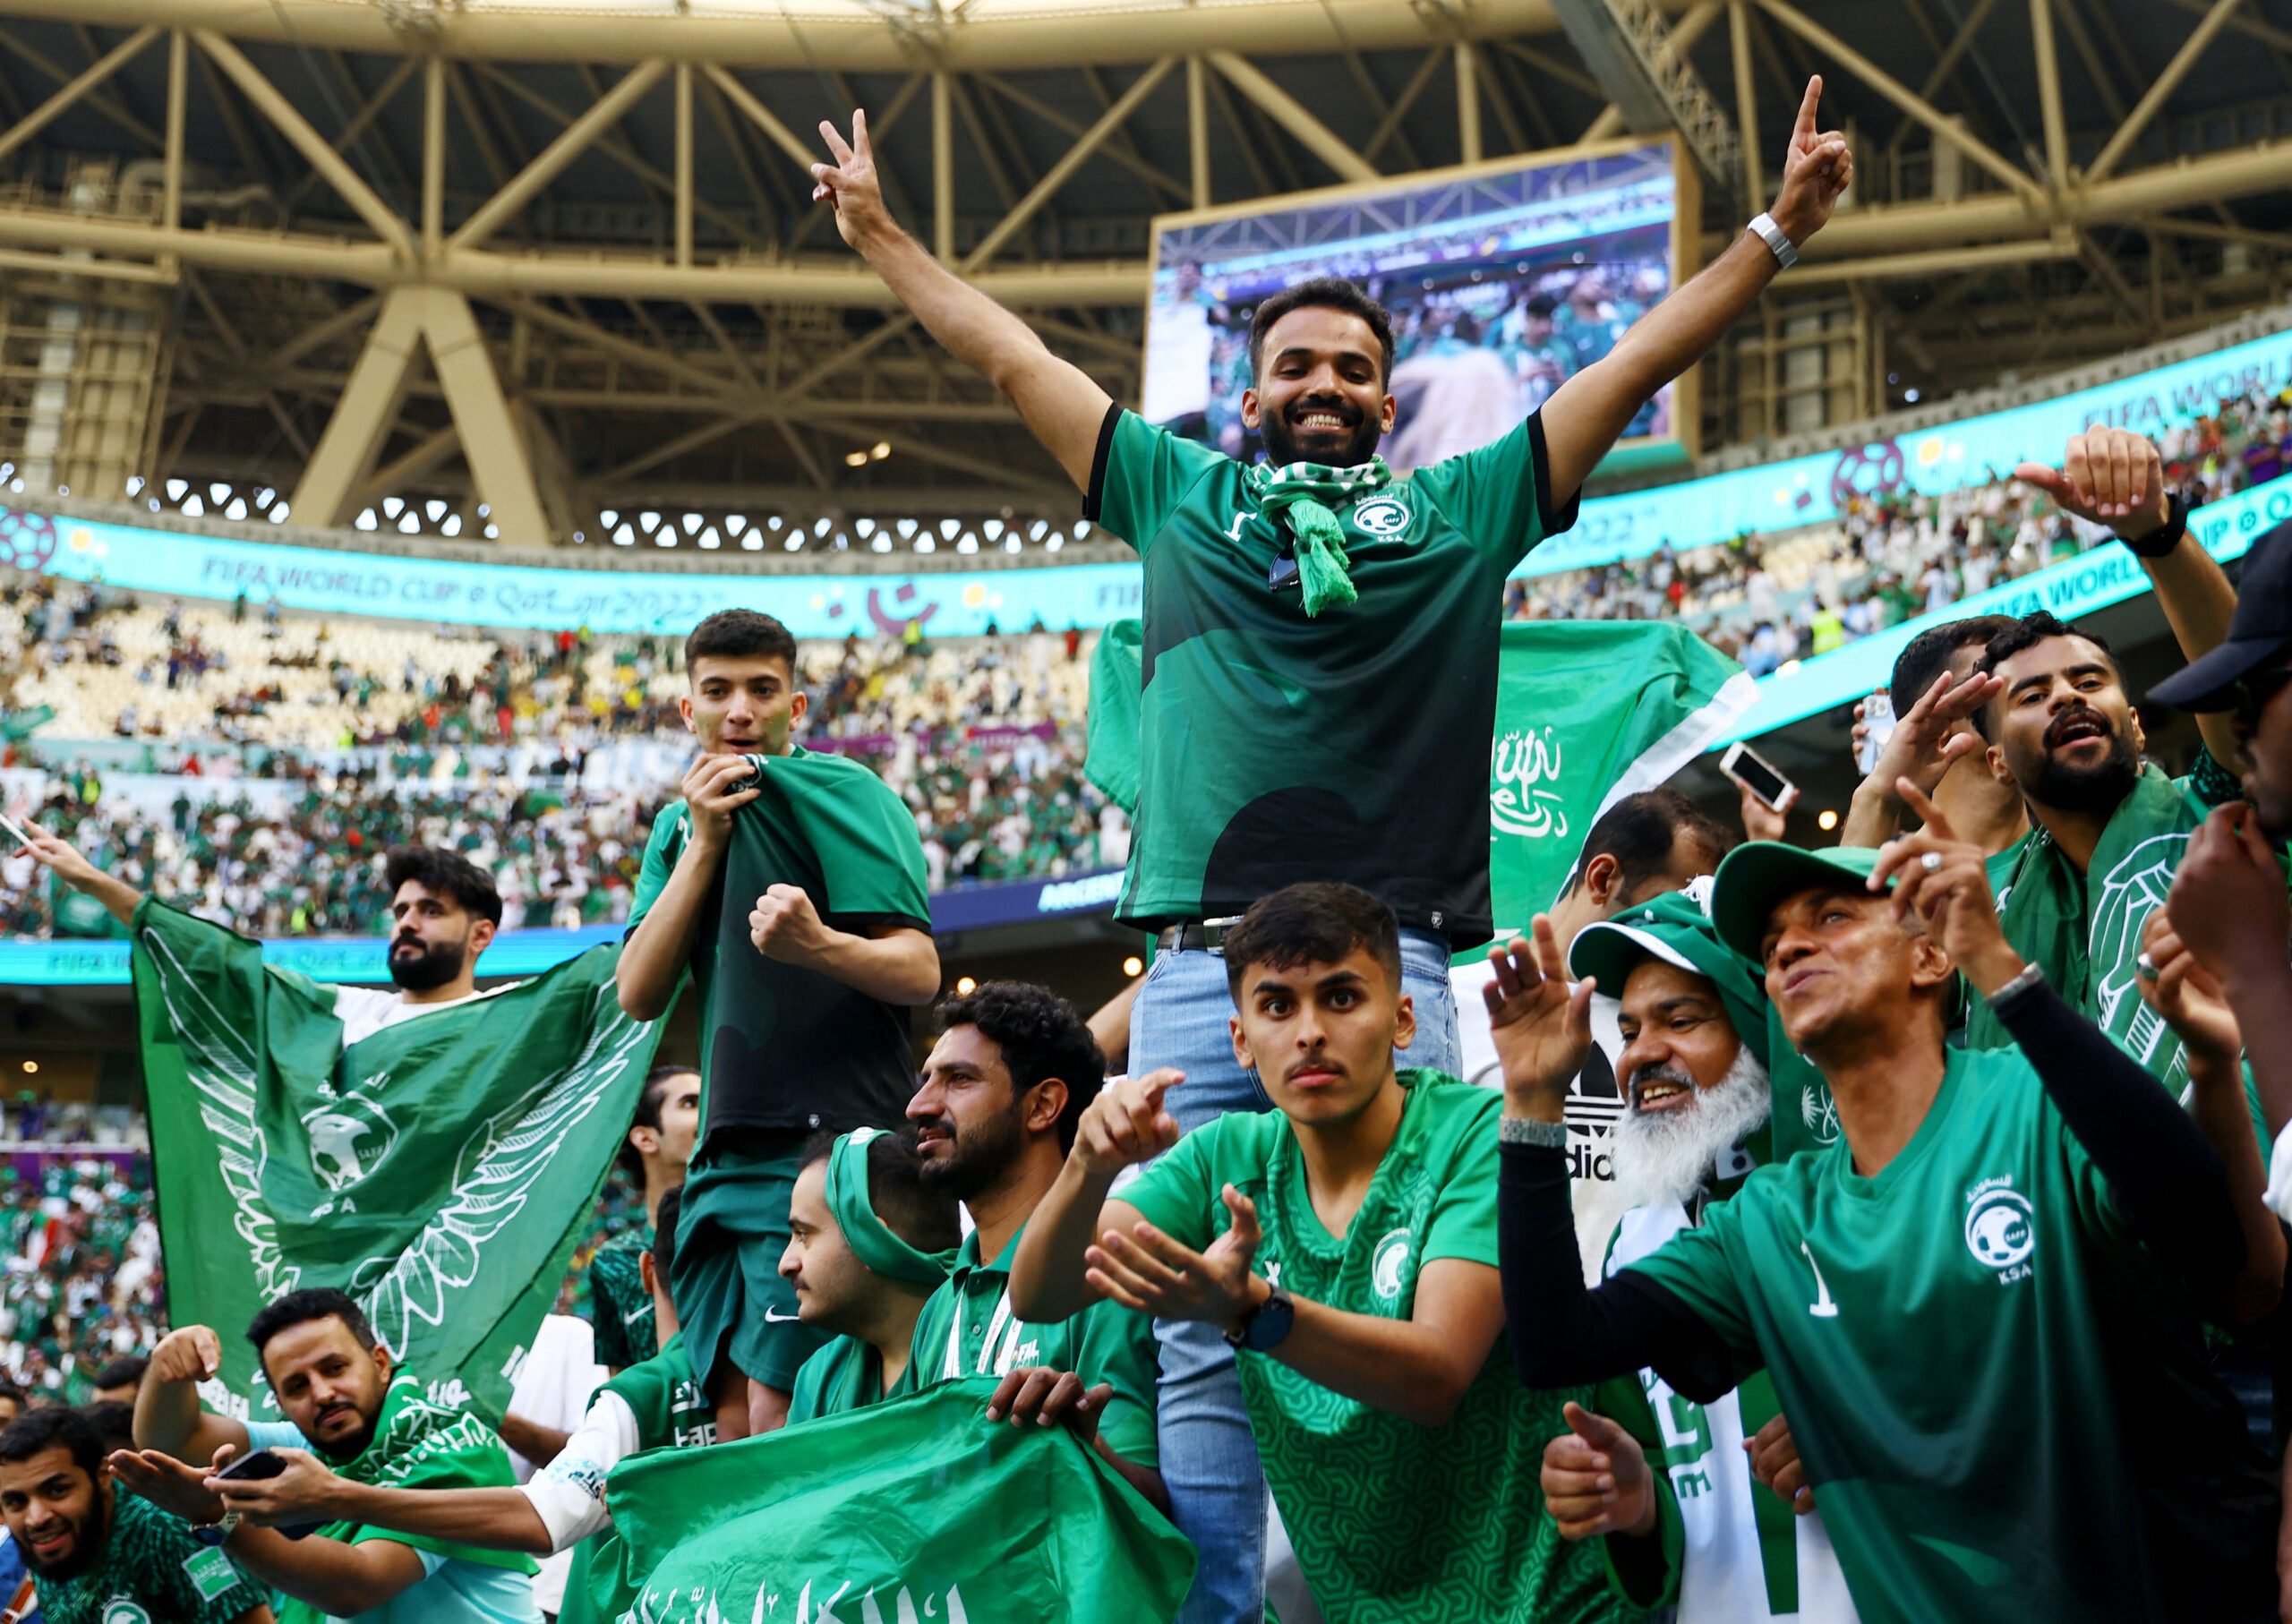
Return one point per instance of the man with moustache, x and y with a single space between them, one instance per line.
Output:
1685 1522
98 1556
2061 729
1312 599
444 912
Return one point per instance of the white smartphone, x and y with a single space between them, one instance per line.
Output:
1756 773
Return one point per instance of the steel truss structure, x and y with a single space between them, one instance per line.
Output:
528 265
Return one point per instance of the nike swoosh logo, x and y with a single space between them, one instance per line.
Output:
772 1319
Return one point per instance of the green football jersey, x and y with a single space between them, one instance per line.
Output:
1978 1362
1274 749
150 1571
967 1328
671 1410
846 1374
1391 1520
790 1049
620 1309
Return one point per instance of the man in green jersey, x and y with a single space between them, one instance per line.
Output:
1345 1243
100 1556
820 955
1003 1094
868 1243
2061 729
1320 662
346 1399
1687 1524
655 1155
1976 1307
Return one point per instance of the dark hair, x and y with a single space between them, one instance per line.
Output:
741 634
126 1371
1041 1036
302 1307
664 1230
2021 636
1639 832
1542 306
1926 656
1315 922
654 1095
447 874
9 1390
114 1420
925 1218
36 1431
1320 293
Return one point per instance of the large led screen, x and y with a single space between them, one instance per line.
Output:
1502 282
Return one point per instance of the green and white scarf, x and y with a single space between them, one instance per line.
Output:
1306 496
420 1445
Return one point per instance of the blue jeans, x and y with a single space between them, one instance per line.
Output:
1209 1460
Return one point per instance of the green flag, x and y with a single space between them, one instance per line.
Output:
915 1508
1588 712
441 1170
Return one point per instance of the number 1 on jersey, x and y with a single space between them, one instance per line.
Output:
1822 1307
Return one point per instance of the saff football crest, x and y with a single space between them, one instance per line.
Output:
350 1134
1381 514
1389 1263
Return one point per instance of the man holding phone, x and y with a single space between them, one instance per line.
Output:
346 1399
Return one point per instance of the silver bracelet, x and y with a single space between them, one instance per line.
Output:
1527 1131
1763 226
2029 976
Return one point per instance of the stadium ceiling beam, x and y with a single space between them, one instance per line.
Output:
576 139
1289 113
355 129
1075 156
2153 99
1649 81
1680 38
1887 85
102 100
73 93
2056 128
1945 67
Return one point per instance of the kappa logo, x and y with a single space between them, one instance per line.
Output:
1381 514
1389 1263
2001 1229
350 1135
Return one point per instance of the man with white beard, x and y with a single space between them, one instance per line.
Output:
1698 1533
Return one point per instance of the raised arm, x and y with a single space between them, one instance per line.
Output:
2229 908
2117 477
1587 413
1125 1125
660 945
60 858
1924 746
1060 403
168 1416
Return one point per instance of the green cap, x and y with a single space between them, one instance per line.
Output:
1674 929
1758 874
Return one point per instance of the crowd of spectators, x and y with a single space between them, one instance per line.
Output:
83 1284
1893 555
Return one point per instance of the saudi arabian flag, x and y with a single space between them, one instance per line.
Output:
441 1170
916 1508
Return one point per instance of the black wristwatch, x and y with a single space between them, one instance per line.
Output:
1267 1326
2167 535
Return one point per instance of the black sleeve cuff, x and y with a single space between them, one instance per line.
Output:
1554 522
1093 498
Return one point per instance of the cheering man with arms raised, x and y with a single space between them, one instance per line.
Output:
1312 598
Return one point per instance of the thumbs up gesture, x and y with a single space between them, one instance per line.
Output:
1597 1480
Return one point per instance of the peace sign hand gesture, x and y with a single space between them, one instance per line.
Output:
1944 883
1541 1025
850 183
1817 170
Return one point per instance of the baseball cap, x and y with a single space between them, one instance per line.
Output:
2258 635
1674 929
1758 874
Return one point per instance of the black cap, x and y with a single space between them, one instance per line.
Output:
2260 632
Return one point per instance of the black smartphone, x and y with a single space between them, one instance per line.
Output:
1757 774
254 1465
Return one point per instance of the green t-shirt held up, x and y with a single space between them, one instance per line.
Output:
1391 1520
2002 1398
784 1048
1275 747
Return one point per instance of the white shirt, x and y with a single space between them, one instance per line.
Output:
569 1494
364 1010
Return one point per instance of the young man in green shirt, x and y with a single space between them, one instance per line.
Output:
1977 1307
658 1151
1003 1095
1319 656
1345 1243
100 1556
791 886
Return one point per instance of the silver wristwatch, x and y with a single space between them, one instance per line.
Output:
1764 228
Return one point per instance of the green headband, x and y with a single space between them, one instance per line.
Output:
871 1239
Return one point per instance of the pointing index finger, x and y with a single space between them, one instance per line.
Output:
1930 815
1805 129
